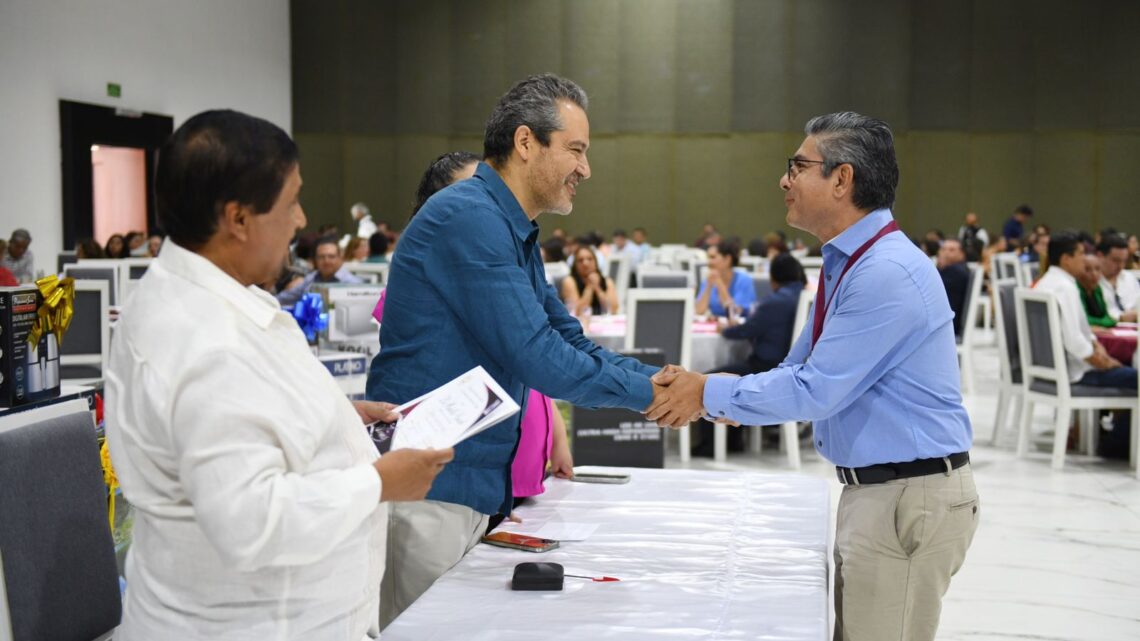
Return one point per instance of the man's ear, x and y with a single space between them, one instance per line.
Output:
235 220
844 181
525 142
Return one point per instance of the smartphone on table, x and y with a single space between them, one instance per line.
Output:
522 542
599 477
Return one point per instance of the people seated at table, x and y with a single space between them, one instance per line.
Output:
725 287
1088 361
153 245
1092 298
329 269
18 259
769 328
1133 253
587 290
1121 289
955 276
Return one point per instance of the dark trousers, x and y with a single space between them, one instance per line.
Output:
704 446
1114 444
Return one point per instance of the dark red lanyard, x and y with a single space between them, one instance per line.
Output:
820 304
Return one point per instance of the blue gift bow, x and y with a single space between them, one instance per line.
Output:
311 316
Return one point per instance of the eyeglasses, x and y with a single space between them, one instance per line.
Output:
796 166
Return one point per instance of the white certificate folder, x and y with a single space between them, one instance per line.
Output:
446 415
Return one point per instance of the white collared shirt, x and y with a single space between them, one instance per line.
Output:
1126 291
258 511
1076 335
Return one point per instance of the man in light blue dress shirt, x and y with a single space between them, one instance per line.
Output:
877 374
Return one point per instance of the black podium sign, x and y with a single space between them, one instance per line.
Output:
619 437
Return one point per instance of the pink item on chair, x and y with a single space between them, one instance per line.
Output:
378 312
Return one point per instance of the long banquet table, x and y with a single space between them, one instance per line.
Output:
700 555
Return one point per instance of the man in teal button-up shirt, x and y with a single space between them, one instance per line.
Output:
467 288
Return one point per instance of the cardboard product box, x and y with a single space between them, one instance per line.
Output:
27 373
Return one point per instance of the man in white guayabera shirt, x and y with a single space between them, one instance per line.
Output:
258 494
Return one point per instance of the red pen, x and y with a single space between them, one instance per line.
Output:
596 579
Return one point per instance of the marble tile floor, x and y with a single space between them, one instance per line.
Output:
1057 554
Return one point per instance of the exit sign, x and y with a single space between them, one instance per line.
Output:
114 90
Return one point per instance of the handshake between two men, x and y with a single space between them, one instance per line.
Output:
678 397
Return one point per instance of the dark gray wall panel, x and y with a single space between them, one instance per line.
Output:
648 65
704 66
941 53
761 47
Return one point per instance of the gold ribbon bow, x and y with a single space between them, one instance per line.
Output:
111 481
54 315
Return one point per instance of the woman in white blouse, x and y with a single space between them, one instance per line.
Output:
257 491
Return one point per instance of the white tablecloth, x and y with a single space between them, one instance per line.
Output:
700 555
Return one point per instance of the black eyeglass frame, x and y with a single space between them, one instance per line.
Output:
794 160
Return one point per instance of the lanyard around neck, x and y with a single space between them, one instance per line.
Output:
821 304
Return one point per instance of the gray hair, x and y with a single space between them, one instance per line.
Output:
360 208
868 146
20 236
532 102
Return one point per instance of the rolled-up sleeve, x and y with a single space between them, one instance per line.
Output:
476 263
231 435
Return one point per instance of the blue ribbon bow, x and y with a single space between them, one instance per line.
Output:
311 315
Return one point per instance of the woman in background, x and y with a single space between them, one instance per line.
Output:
725 287
116 247
587 289
356 251
444 170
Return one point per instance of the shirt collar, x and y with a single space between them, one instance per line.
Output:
523 227
252 301
852 238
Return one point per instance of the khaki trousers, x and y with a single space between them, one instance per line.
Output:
896 546
425 539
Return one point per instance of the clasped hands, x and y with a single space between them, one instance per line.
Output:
678 397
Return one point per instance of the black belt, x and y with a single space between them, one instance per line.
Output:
889 471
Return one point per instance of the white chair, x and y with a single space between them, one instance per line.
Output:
375 273
761 285
1006 269
59 578
966 340
1027 273
663 319
99 269
1045 368
812 262
130 270
554 271
618 268
85 348
1011 384
664 279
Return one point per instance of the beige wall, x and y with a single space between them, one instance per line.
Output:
696 103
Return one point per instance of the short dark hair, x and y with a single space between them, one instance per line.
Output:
785 269
619 232
440 173
866 144
378 244
1061 244
1109 242
326 240
731 249
555 250
1023 209
214 158
532 102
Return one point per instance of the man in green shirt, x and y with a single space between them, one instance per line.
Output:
1092 297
